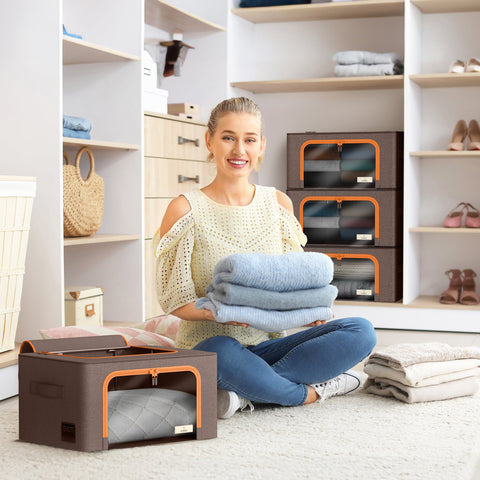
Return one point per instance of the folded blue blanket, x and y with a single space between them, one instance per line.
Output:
233 294
280 273
266 320
75 133
77 123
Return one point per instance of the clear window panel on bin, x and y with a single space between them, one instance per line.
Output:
330 165
354 278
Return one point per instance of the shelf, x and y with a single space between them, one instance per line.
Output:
166 17
322 84
446 6
94 239
322 11
426 301
77 51
176 118
99 144
446 154
7 359
448 231
442 80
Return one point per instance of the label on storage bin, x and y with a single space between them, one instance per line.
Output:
183 429
364 236
364 179
364 292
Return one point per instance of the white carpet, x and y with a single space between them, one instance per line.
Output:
359 436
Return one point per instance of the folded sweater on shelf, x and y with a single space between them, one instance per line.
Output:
67 132
350 57
362 70
77 123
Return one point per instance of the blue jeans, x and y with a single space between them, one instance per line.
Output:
278 370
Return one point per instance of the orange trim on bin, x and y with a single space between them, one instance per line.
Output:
154 372
340 200
340 256
28 342
341 142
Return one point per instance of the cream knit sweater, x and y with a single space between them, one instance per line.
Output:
188 252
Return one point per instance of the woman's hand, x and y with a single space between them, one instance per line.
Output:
316 323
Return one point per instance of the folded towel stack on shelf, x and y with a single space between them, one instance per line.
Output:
271 292
357 63
423 372
76 127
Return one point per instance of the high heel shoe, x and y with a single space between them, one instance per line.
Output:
472 218
454 217
450 295
473 141
473 65
468 295
458 137
458 66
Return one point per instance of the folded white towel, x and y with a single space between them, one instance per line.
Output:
427 373
402 355
349 57
444 391
361 70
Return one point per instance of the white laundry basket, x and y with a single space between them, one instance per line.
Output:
16 200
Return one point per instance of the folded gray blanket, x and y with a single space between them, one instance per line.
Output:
443 391
350 57
362 70
280 273
232 294
266 320
402 355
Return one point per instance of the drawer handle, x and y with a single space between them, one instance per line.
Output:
182 140
183 178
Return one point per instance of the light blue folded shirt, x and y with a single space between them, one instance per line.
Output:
77 123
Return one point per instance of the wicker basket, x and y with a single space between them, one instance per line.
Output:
16 199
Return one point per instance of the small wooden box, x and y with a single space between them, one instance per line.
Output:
185 110
83 306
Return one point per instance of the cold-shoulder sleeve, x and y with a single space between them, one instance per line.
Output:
173 252
293 237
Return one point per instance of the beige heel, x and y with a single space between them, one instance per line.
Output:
452 293
458 137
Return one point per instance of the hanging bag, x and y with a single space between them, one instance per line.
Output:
82 198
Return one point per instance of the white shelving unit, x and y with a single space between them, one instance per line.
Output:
99 78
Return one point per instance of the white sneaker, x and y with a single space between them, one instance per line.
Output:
345 383
229 402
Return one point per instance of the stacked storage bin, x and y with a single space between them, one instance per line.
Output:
347 192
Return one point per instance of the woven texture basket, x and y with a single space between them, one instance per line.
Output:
16 200
82 198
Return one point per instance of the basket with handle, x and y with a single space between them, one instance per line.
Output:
82 198
16 201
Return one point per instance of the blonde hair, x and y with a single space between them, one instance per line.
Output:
234 105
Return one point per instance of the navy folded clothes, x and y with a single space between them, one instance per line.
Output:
283 272
77 123
75 133
266 320
232 294
353 289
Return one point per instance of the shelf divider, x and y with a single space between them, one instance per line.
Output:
100 238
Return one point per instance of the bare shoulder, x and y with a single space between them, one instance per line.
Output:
176 209
284 200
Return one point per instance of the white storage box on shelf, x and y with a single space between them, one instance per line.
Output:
155 101
16 201
83 306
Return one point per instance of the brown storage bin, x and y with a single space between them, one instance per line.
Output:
345 160
64 386
370 274
348 217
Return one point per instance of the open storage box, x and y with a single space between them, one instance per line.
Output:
64 387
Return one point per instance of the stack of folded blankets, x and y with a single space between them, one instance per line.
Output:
76 127
423 372
271 292
357 63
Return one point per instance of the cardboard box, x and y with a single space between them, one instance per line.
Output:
83 306
64 386
186 110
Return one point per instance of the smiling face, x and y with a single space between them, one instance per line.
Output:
236 144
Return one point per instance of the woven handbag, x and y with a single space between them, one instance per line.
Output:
82 198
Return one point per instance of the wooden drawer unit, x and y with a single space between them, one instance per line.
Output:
175 162
170 178
170 138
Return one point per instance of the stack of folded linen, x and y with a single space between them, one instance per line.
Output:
271 292
356 63
76 127
423 372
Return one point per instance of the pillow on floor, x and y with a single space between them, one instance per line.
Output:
166 325
134 336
